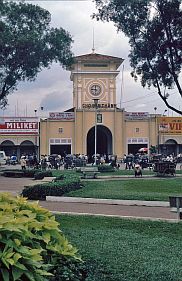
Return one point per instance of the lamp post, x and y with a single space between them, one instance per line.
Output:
164 112
156 130
163 126
39 128
95 152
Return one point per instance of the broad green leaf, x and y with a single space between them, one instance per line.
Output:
5 274
17 273
16 257
20 266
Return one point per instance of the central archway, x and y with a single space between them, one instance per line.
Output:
104 141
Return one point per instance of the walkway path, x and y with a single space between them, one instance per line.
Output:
125 208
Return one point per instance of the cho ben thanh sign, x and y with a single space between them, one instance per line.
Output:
19 125
170 125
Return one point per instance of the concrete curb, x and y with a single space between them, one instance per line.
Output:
116 216
107 201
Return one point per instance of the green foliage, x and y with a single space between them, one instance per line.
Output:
67 269
28 44
153 149
13 173
39 175
155 36
105 168
57 188
60 177
28 173
27 234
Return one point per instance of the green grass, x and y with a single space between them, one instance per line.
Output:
126 250
115 173
131 189
125 172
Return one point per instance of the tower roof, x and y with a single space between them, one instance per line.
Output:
93 57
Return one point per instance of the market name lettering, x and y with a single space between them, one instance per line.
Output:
100 105
175 126
21 125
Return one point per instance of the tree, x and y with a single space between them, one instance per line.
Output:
154 29
28 44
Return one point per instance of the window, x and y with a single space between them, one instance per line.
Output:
99 118
137 130
60 130
95 65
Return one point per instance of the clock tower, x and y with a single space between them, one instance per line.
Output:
98 121
94 76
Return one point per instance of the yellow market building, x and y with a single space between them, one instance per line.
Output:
97 124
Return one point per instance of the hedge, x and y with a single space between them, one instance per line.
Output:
105 168
20 173
28 173
56 188
39 175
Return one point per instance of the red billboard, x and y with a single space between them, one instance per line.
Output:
19 126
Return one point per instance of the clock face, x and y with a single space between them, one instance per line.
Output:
95 90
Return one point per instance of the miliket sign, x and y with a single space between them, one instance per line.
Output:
19 125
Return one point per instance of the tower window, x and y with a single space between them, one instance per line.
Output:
99 118
95 65
60 130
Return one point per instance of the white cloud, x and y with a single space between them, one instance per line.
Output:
75 17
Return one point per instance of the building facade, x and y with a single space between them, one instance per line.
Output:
19 135
95 123
169 135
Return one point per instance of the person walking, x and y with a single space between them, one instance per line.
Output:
23 163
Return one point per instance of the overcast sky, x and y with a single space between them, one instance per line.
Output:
52 89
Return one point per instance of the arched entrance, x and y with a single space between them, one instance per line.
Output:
104 141
170 147
8 147
28 148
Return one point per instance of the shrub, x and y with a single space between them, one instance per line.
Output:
13 173
67 269
60 177
28 235
29 173
39 175
19 173
105 168
57 188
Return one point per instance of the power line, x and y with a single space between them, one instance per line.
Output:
148 96
51 0
138 98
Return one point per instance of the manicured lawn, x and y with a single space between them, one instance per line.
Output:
126 250
131 189
115 173
125 172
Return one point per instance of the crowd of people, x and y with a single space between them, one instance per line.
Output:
55 161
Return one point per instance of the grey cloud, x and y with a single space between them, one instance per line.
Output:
45 79
57 101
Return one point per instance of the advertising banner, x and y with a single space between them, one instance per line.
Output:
62 116
136 115
170 125
19 125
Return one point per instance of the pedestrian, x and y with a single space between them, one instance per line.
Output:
138 170
23 163
43 162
